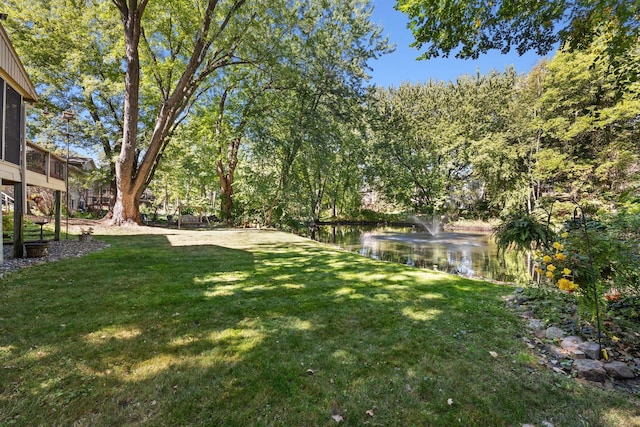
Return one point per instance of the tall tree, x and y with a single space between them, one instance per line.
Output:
140 84
330 48
140 81
589 123
179 65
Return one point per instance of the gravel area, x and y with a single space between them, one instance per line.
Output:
57 250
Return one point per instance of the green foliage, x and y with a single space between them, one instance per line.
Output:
285 134
589 121
597 258
447 146
471 28
522 231
7 224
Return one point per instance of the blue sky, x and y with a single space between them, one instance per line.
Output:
402 67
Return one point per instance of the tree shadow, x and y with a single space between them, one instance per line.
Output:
280 334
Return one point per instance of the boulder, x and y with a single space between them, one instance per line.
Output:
571 343
591 349
619 370
554 332
535 324
591 370
557 352
577 354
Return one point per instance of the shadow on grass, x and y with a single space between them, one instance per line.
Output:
281 333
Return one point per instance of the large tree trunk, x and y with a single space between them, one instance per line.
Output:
126 210
226 196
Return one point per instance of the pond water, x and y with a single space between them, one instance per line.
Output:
466 253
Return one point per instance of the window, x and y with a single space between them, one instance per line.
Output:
1 118
12 125
36 161
56 168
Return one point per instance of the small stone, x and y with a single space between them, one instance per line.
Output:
535 324
591 370
554 332
527 314
557 352
619 370
591 349
571 343
577 354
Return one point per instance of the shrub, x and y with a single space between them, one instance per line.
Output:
7 224
594 259
522 231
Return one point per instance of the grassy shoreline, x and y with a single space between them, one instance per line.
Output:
248 327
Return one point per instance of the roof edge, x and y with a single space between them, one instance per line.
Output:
28 93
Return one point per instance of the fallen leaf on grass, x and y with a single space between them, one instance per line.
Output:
337 413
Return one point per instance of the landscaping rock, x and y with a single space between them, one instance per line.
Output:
571 343
539 333
535 324
577 354
619 370
557 352
591 349
528 314
591 370
554 332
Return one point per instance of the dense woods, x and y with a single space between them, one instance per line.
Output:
263 113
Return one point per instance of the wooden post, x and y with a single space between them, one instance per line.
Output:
19 197
57 195
1 228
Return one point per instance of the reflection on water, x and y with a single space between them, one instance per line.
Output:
470 254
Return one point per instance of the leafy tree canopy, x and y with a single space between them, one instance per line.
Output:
469 28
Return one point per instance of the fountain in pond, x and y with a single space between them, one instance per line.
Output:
467 253
433 227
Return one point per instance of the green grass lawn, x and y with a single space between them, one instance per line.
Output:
257 328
